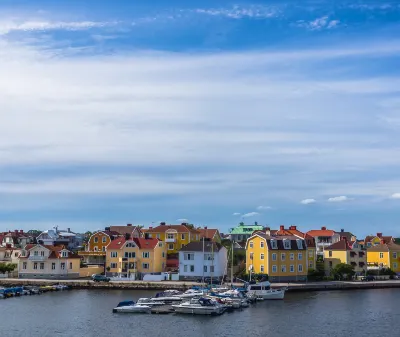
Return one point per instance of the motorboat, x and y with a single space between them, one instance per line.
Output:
168 297
131 307
61 287
234 297
149 301
201 306
190 293
263 290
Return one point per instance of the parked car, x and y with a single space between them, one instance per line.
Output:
100 278
368 278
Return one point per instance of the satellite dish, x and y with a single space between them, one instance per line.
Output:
251 267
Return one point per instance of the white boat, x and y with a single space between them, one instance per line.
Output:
131 307
168 297
201 306
263 290
191 293
149 301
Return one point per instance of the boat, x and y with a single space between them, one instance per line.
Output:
61 287
131 307
190 293
168 297
201 306
149 301
263 290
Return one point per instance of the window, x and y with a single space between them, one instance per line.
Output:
369 244
36 253
274 257
300 256
274 244
171 246
330 253
95 248
262 244
208 257
113 265
35 265
292 256
182 236
130 245
64 254
395 265
192 269
251 256
104 249
145 265
283 269
24 265
170 236
292 268
261 256
185 268
42 253
211 269
251 244
283 256
394 255
311 253
160 244
262 268
182 245
114 254
70 265
53 266
188 256
42 266
299 244
130 255
146 255
163 254
286 244
158 236
104 239
310 265
96 239
381 255
274 269
300 268
63 266
16 254
205 269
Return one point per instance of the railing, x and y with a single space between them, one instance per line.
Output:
37 258
170 240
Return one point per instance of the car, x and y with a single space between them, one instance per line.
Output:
368 278
100 278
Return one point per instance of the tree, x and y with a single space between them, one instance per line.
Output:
7 267
315 275
343 271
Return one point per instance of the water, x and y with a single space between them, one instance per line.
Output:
89 313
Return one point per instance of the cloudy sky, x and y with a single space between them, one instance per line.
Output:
281 112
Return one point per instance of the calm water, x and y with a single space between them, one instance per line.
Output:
89 313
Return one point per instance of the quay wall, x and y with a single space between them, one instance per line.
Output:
178 285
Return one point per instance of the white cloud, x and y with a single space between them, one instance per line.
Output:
238 12
338 199
319 23
264 208
236 214
396 196
248 215
182 220
308 201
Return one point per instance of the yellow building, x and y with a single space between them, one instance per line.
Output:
283 258
384 255
344 251
127 258
372 240
175 236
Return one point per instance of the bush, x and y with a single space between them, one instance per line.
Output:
343 271
315 275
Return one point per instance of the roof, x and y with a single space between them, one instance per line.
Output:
386 239
179 228
347 235
280 241
341 245
122 230
246 229
209 246
142 243
208 233
55 251
385 247
173 263
321 232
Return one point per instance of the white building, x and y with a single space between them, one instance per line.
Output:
197 260
57 236
323 238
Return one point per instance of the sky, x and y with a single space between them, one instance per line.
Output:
211 112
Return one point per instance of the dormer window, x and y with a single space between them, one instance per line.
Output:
286 244
274 244
299 244
64 254
130 245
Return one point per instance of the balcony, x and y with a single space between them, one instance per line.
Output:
37 258
170 240
323 243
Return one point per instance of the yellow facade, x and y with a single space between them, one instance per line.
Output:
280 264
384 259
311 258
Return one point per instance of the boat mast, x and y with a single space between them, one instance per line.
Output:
212 263
232 265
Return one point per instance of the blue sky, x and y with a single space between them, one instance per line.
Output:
119 112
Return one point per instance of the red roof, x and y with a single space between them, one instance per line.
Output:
122 230
321 232
385 239
208 233
116 243
142 243
172 263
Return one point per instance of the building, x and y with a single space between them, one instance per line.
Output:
9 255
203 259
134 257
95 250
310 243
210 234
48 262
348 252
242 232
374 240
384 255
15 239
175 236
57 237
323 238
129 229
283 258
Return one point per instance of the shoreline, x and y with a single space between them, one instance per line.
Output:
181 285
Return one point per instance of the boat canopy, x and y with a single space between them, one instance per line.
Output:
125 303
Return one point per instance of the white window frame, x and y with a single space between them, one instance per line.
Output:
262 268
145 255
274 257
286 244
291 256
300 256
262 244
283 268
262 256
104 239
381 255
113 265
113 254
251 244
283 256
170 245
145 265
292 268
300 268
274 244
274 268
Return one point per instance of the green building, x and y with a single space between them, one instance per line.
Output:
242 232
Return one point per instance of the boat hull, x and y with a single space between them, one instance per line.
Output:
198 311
132 309
271 294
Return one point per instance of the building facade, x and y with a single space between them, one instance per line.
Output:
375 240
15 239
283 258
242 232
203 259
348 252
384 255
95 250
323 238
48 262
211 234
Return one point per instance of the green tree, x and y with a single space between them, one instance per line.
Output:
343 271
7 267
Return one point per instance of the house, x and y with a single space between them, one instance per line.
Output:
348 252
129 229
348 235
131 258
95 250
56 237
242 232
386 254
48 262
283 258
175 236
309 240
16 238
9 254
210 234
202 259
374 240
323 238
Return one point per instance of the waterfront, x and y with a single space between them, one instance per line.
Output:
89 313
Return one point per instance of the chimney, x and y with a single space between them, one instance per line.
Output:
382 242
267 228
21 231
150 227
183 223
282 227
342 230
129 225
16 231
69 230
344 238
293 228
162 223
379 235
323 228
